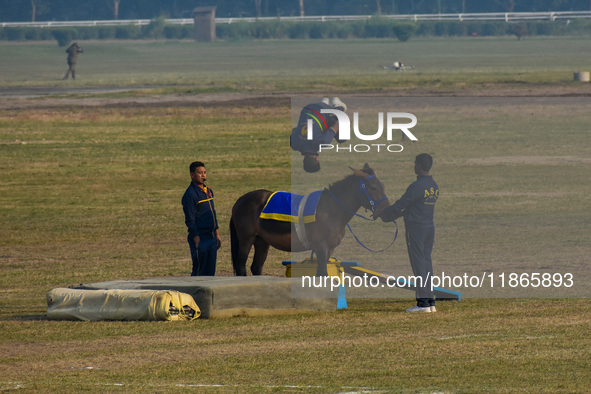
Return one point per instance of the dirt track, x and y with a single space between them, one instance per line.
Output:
19 98
38 98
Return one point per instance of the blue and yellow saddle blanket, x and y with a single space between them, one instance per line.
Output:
287 207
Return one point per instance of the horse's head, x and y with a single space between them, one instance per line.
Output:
371 191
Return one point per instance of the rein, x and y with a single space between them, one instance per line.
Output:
373 205
371 250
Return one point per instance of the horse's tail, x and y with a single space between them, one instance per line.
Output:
234 246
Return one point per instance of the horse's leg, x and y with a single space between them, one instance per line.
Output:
240 267
240 248
322 259
242 257
261 249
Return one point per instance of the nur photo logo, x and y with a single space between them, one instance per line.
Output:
391 119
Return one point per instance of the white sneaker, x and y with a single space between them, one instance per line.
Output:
416 308
433 309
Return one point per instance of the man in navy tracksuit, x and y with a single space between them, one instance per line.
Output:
202 224
417 206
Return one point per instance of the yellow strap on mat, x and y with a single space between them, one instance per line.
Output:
94 305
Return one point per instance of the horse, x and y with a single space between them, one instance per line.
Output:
337 204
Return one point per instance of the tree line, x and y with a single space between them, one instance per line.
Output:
68 10
375 27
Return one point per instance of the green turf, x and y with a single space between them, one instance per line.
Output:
351 65
93 193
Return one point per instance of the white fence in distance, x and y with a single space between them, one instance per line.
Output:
498 16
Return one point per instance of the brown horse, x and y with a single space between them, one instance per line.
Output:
336 206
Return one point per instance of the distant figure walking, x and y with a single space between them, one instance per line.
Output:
72 51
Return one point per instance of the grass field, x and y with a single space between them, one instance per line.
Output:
352 66
91 186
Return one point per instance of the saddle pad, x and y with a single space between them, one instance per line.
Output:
284 207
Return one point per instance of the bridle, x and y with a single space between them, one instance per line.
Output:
362 188
373 204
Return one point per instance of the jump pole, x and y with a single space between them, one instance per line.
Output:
353 268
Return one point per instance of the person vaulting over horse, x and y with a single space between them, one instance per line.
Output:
325 128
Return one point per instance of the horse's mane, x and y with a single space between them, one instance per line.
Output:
344 184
